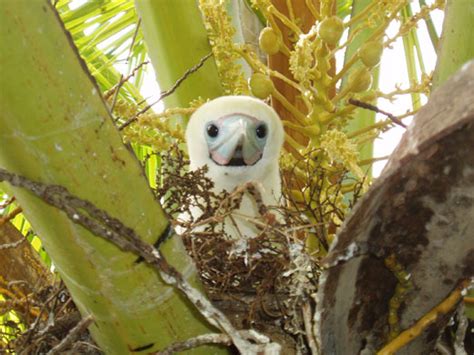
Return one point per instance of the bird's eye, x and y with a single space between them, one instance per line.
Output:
261 131
212 130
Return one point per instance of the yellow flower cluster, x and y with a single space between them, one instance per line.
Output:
152 129
341 150
302 60
221 33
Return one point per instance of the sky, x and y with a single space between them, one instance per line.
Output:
393 72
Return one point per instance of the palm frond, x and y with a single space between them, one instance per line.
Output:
106 33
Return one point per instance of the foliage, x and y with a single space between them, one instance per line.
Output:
322 162
107 33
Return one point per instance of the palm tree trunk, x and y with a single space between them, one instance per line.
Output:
55 128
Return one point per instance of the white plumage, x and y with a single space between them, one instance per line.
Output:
239 138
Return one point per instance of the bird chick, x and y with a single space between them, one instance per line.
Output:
239 139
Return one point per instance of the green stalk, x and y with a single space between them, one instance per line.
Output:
258 13
55 128
361 118
456 43
176 40
409 47
419 53
430 27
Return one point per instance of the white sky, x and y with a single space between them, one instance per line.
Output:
393 72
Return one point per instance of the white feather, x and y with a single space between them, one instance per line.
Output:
264 173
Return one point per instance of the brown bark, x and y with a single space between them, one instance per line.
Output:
21 265
421 211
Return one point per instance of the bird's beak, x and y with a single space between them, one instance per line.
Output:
237 143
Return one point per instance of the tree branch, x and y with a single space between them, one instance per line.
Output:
72 336
168 92
195 342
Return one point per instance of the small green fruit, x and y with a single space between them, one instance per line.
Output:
269 41
370 53
261 85
314 130
360 79
330 30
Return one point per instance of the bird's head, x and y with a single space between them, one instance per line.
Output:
235 136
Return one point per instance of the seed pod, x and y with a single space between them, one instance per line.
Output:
360 79
261 85
370 53
330 30
313 130
269 41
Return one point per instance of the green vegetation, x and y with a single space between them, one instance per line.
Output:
64 123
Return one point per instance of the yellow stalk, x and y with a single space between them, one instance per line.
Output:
294 111
285 20
411 333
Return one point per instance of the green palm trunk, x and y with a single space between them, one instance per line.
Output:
456 46
55 128
176 41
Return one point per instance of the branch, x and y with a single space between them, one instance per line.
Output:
370 107
308 327
12 245
10 216
123 80
72 336
195 342
167 92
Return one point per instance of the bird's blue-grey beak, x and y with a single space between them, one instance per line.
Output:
236 140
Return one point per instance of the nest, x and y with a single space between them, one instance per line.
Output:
263 282
46 319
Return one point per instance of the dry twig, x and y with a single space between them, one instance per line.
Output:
308 325
12 245
167 92
10 216
463 324
195 342
370 107
72 336
114 89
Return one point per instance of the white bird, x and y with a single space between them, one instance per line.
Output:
239 138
